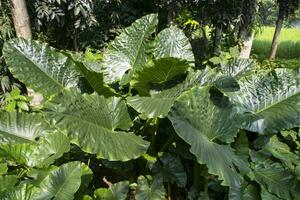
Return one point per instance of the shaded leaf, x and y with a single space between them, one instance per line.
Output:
275 178
156 74
170 168
117 191
91 71
159 103
150 191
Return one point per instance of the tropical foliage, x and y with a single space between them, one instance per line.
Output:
142 122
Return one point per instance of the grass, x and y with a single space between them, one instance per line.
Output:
289 46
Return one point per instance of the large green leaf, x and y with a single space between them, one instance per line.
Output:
202 117
238 67
40 154
267 195
28 139
171 169
39 66
150 189
97 125
7 182
91 71
3 168
280 150
159 103
23 192
269 101
61 183
117 191
129 50
22 128
275 178
172 42
246 192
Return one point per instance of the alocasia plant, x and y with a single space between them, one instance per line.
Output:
149 121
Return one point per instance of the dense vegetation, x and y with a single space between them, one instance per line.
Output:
149 100
140 121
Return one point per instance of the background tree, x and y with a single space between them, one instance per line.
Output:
285 9
6 24
21 18
247 25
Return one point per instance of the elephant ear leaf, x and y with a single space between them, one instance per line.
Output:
23 191
39 66
117 191
150 189
269 101
28 139
160 100
91 71
275 178
172 42
158 74
203 117
97 125
61 182
53 183
129 51
22 128
171 169
238 67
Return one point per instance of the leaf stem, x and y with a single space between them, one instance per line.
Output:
154 133
197 176
167 144
169 192
206 186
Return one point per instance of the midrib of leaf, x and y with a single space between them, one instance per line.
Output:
270 106
171 47
167 75
39 69
139 48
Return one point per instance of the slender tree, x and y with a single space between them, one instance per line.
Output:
21 18
285 8
246 33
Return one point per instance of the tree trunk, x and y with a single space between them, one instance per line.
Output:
245 34
21 19
276 37
166 16
247 45
217 40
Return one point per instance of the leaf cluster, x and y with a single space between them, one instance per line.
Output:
140 121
